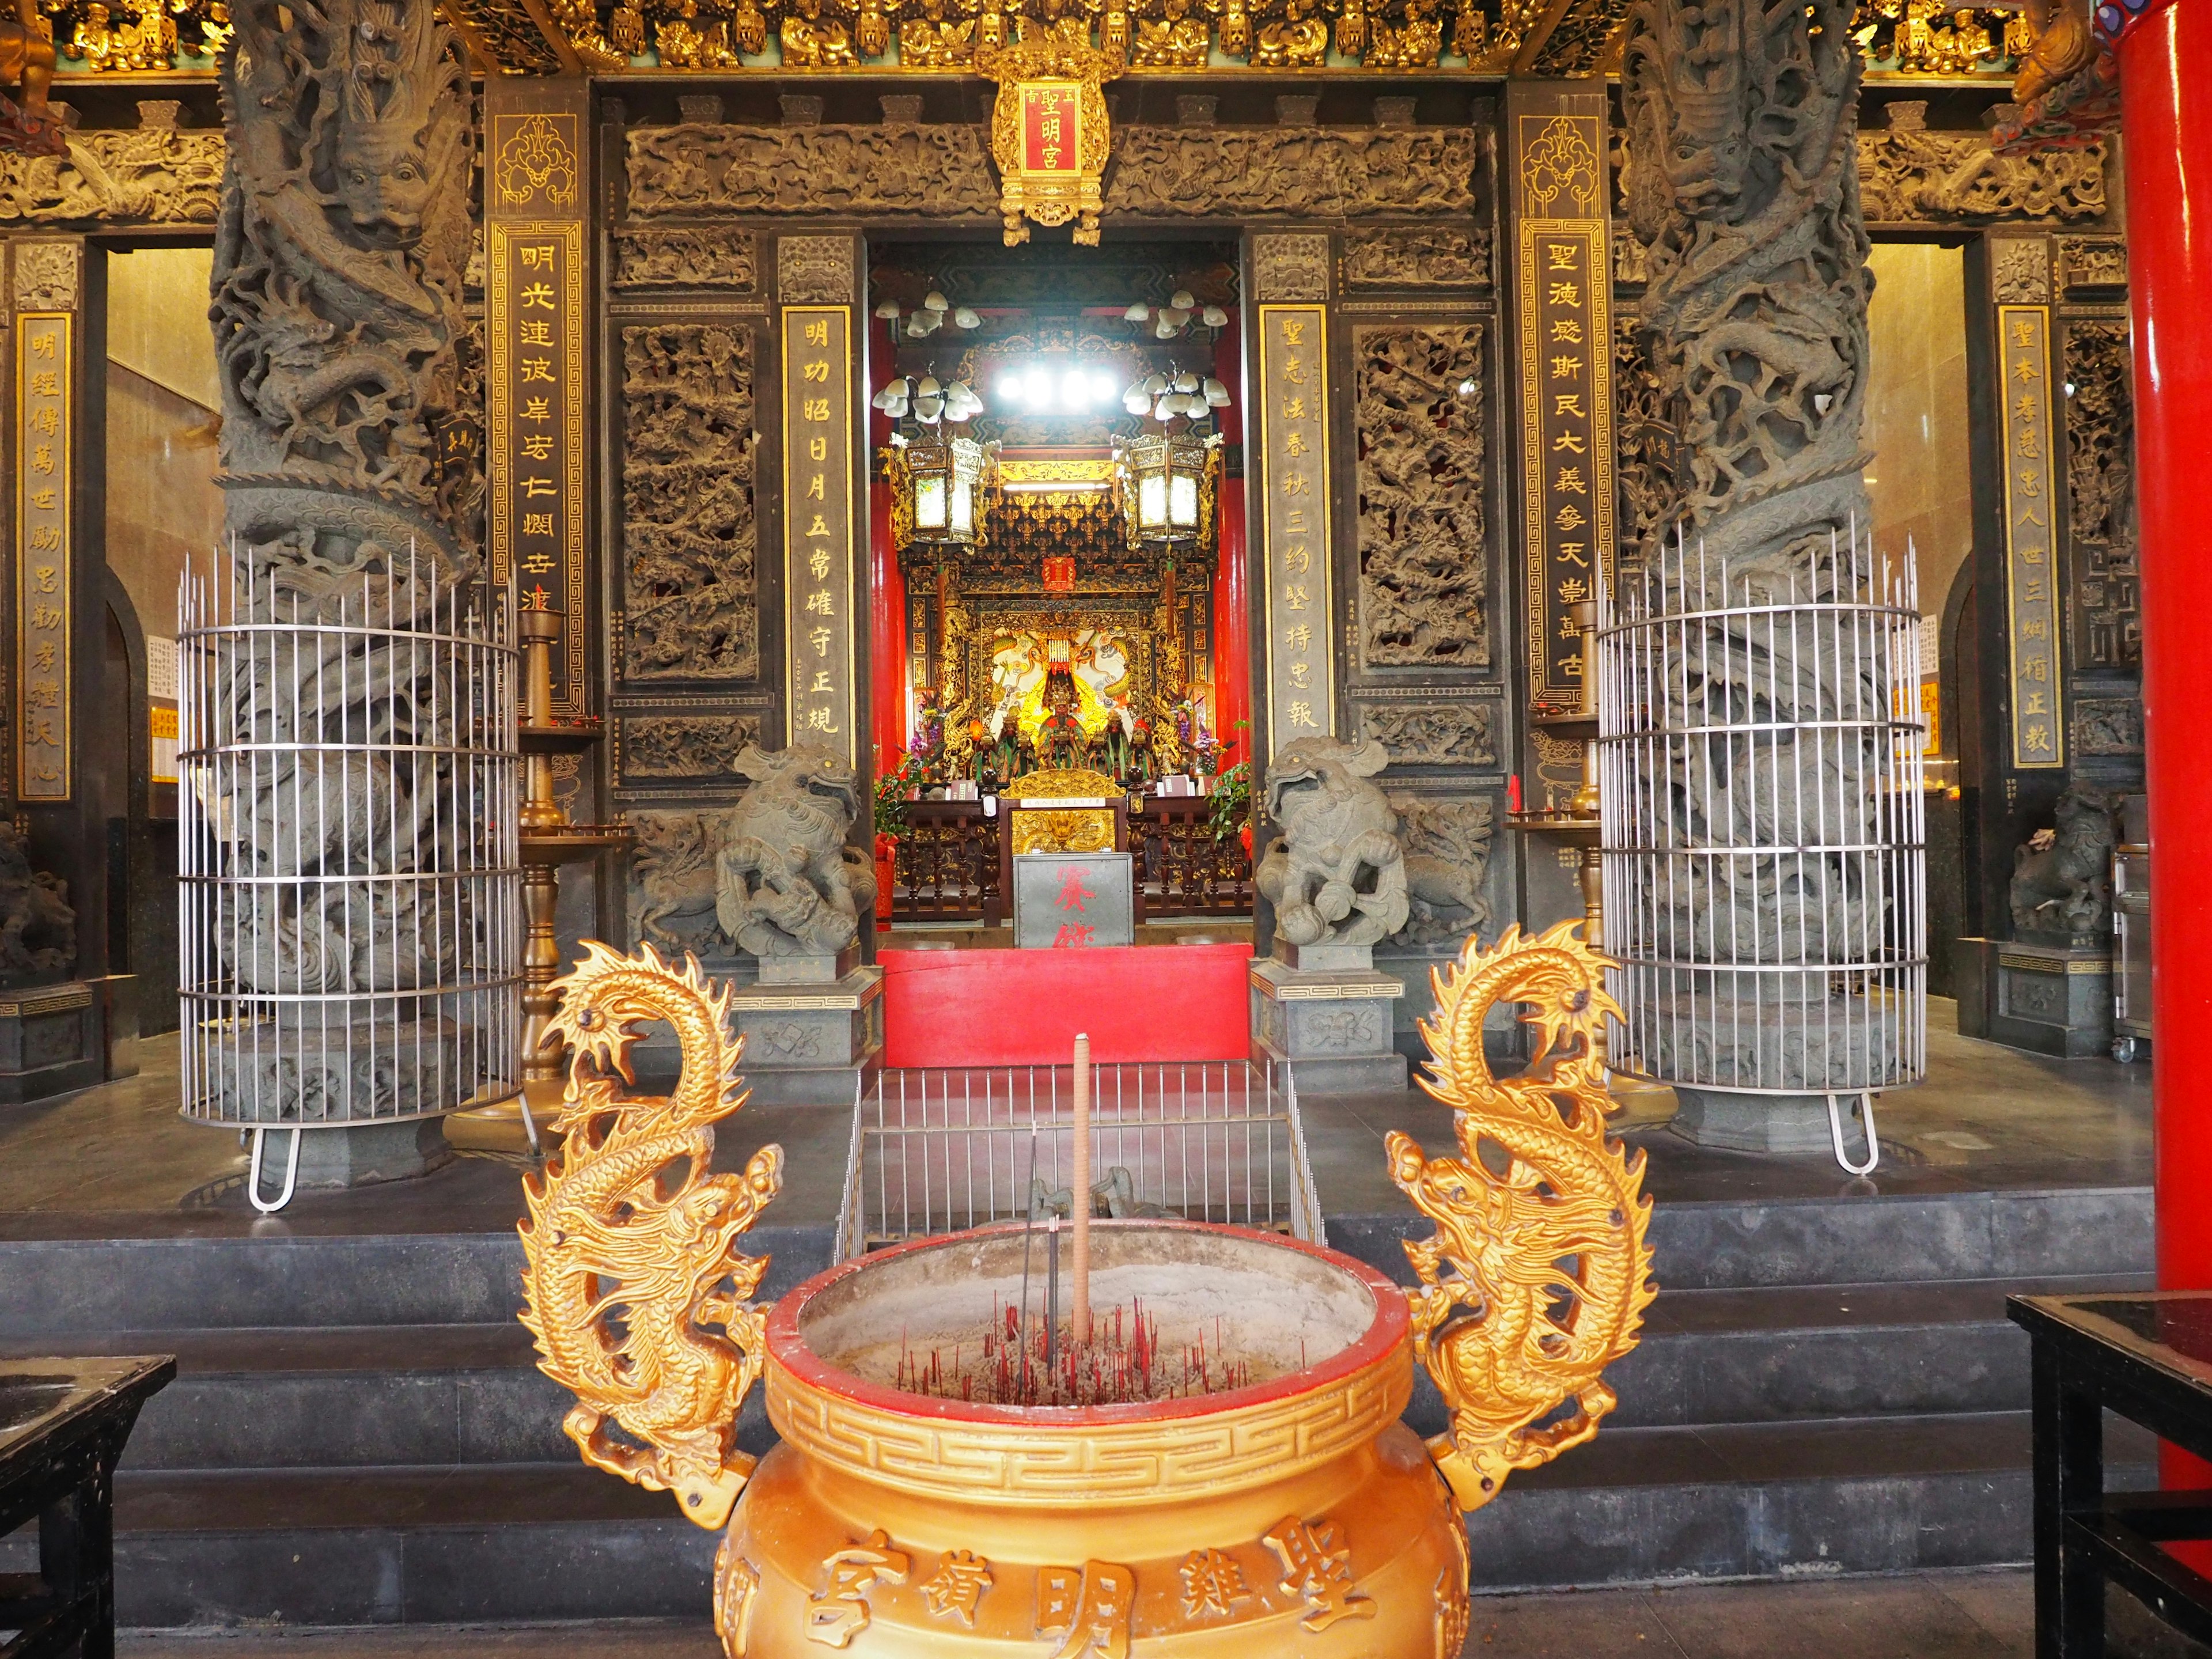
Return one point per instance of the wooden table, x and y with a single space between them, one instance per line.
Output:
2146 1356
62 1425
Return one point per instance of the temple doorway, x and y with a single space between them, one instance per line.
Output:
1058 570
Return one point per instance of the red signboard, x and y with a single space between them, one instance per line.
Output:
1052 122
1059 573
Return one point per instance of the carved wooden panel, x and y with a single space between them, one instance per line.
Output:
714 258
2101 496
1910 175
144 176
2108 726
1418 256
1424 573
929 172
1332 172
690 583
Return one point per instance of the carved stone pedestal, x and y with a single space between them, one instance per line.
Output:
50 1041
1764 1123
2048 999
360 1155
1332 1024
813 1026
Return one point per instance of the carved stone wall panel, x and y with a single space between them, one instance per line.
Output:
1423 564
1910 175
1289 268
1448 843
925 172
672 879
47 276
690 585
1179 172
1418 256
2093 262
142 176
2019 270
2100 490
814 269
713 257
2108 726
1644 441
697 748
1461 733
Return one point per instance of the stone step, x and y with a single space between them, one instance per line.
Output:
363 1396
56 1286
2090 1232
539 1542
1778 1500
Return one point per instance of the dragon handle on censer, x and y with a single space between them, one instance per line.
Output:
1286 1509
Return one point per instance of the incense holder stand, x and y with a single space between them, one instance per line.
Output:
1295 1514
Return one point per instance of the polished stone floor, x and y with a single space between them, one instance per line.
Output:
118 1161
1979 1615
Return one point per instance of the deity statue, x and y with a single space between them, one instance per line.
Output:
932 40
786 885
927 743
813 41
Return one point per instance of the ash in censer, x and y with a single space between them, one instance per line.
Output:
1014 1362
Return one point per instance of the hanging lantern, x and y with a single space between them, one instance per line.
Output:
1164 483
937 482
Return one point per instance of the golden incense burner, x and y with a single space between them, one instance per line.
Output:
1276 1506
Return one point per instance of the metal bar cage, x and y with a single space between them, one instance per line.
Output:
939 1149
1763 839
351 931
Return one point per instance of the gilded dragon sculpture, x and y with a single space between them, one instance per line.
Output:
628 1267
1539 1272
1535 1279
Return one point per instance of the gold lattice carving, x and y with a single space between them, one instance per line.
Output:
1064 784
628 1263
1076 829
1539 1272
1099 1465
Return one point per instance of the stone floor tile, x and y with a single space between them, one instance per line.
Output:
1586 1625
1905 1617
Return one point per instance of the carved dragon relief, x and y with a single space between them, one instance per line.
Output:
1424 569
690 587
1539 1272
2100 497
632 1281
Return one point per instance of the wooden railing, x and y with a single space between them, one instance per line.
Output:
947 866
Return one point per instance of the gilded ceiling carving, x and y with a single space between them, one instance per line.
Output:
1424 572
690 585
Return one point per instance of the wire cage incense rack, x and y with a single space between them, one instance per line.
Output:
939 1149
1764 840
351 933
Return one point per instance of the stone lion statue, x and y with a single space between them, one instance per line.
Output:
785 884
38 927
2062 880
1337 873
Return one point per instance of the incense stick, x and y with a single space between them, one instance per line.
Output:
1079 1301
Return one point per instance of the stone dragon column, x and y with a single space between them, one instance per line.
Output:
1742 181
351 792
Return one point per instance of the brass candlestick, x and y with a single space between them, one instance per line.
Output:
549 841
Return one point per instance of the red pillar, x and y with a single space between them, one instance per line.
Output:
2166 105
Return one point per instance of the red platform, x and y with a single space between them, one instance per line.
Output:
1024 1007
